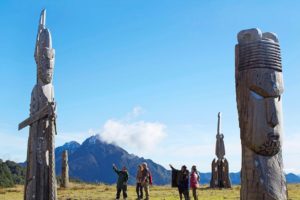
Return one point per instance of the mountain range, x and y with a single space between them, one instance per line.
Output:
92 162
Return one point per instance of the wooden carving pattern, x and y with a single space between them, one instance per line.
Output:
220 168
40 177
259 85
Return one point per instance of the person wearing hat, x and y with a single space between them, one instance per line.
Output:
139 187
182 182
146 180
122 181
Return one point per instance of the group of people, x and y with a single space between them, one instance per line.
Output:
182 179
143 181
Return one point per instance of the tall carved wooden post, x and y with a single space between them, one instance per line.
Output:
40 177
220 168
65 170
259 86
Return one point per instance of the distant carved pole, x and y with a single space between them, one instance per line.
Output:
220 168
65 170
259 86
40 183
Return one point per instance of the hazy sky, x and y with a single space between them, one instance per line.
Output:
148 75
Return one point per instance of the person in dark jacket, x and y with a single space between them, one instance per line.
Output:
122 182
182 182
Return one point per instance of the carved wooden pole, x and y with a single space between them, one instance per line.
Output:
40 177
220 168
220 147
259 86
65 170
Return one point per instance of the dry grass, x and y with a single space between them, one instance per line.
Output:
107 192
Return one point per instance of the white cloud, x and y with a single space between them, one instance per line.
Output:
140 135
136 112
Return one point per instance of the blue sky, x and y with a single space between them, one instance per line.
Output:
161 67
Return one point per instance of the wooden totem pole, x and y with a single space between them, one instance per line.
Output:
40 177
65 170
219 168
259 86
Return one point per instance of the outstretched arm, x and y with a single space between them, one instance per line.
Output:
172 167
115 169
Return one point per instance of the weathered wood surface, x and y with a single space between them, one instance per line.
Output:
219 167
65 170
40 183
220 147
220 174
43 112
259 86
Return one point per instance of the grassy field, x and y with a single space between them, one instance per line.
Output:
106 192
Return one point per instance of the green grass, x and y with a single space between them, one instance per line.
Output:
107 192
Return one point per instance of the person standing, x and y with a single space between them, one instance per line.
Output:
139 187
194 181
122 181
146 180
182 182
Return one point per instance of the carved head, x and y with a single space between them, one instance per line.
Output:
259 86
44 53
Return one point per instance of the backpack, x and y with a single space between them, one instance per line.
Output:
150 178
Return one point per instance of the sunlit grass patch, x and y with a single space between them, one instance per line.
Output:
84 191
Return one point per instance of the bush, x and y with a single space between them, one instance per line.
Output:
6 179
11 173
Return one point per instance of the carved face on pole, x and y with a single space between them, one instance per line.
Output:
45 57
259 86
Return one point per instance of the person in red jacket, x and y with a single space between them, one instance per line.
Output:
194 181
